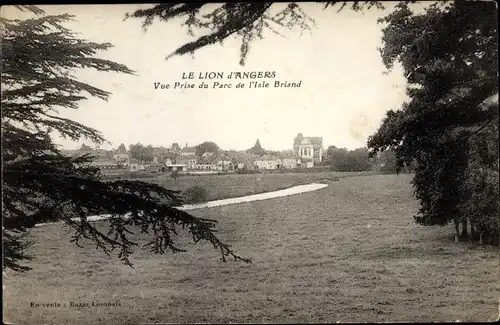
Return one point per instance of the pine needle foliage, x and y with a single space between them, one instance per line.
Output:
40 60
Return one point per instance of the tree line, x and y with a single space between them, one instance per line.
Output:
357 160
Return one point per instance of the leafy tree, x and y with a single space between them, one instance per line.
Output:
481 184
175 175
175 147
142 153
449 55
196 194
387 162
359 160
207 146
343 160
337 157
39 58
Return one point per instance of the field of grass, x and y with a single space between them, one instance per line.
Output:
235 185
350 252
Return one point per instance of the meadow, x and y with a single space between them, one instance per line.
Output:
350 252
235 185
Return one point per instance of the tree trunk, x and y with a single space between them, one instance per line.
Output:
457 230
464 228
472 231
480 238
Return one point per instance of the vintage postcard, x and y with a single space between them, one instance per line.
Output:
291 162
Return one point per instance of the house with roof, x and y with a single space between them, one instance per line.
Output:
156 168
188 151
189 160
288 159
216 161
268 162
104 163
176 167
160 152
225 165
242 159
135 165
309 149
205 163
290 162
167 158
121 156
208 154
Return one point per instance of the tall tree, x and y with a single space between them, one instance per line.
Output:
450 57
39 59
207 146
343 160
142 153
387 161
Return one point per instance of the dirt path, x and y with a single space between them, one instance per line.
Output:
244 199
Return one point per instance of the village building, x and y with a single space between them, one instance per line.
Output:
121 156
135 165
160 152
104 163
188 151
156 168
167 158
225 165
205 163
208 154
169 161
176 167
309 149
189 160
290 162
268 162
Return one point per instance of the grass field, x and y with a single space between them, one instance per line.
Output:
235 185
350 252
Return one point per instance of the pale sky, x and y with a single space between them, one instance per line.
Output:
343 95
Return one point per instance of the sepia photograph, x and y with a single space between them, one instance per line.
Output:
250 162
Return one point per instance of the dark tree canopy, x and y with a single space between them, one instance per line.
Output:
449 55
142 153
343 160
207 146
40 58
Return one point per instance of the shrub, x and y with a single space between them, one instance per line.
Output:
175 174
196 194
